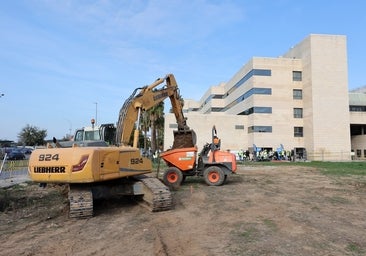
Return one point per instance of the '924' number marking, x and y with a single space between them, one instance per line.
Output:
136 161
48 157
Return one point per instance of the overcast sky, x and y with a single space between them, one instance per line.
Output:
61 61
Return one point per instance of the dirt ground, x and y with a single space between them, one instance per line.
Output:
264 210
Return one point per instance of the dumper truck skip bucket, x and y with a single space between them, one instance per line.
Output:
182 158
184 139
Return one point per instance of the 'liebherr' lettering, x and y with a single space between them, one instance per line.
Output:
53 169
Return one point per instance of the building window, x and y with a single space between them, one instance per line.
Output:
216 109
296 76
252 129
297 112
190 110
298 132
261 110
358 153
239 127
297 94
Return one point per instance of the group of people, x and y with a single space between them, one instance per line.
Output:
245 155
265 155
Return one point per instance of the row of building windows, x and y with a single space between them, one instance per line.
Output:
297 93
359 153
357 108
259 128
298 131
212 96
296 76
298 112
253 72
250 92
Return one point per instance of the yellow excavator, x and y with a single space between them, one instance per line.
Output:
95 170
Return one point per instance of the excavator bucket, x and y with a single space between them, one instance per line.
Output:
184 139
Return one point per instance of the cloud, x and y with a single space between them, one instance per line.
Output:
165 21
135 34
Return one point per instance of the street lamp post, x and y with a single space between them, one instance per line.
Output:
96 113
70 127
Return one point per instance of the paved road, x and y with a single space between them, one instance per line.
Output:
11 178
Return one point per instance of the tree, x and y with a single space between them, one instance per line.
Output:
159 126
32 136
145 125
157 123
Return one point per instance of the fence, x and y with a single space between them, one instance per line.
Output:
9 165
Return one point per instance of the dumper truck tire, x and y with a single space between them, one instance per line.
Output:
172 177
214 176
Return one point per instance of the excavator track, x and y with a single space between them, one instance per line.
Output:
81 202
157 197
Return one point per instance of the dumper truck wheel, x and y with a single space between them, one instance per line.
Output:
173 177
184 178
214 176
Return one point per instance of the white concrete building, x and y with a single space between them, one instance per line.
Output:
298 101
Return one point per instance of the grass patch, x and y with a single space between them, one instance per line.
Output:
249 234
338 200
339 168
355 249
327 168
270 224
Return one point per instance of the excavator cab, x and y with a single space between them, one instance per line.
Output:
104 132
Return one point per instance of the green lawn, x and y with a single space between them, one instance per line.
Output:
328 168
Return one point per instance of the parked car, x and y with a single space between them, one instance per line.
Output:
26 151
15 155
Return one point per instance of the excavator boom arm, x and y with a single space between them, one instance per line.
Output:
148 97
